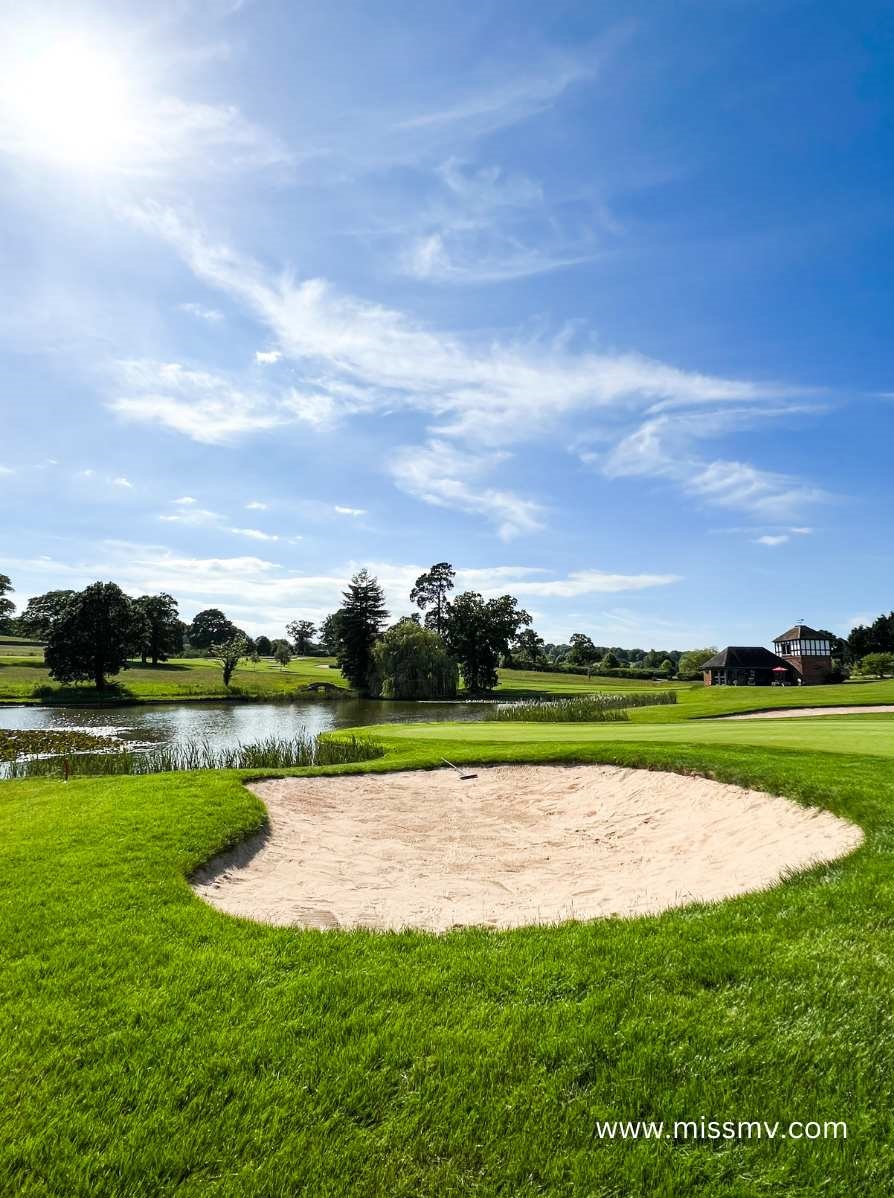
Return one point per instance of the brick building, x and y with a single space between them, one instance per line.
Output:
803 657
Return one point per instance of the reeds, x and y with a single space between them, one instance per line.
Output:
303 749
605 707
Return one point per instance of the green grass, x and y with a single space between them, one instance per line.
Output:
150 1045
181 678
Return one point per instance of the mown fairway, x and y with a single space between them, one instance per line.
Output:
151 1046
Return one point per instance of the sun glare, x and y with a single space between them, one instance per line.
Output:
72 103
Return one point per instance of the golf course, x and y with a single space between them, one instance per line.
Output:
153 1045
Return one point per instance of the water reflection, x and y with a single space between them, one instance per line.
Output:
224 724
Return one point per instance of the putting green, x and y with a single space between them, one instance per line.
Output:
871 736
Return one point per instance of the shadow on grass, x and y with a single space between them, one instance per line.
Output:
84 694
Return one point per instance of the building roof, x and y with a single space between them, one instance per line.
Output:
745 657
800 632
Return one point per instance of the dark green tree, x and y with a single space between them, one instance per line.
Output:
41 611
528 647
610 661
430 591
330 637
90 637
583 652
210 627
159 630
477 633
302 633
229 653
264 646
7 607
361 617
411 662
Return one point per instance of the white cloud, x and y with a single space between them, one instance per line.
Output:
801 532
191 516
262 594
267 357
6 470
359 357
184 501
350 511
442 475
88 473
121 481
209 315
255 534
770 540
255 505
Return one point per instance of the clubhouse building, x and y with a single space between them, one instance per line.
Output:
803 657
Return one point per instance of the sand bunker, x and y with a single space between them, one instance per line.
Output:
787 713
517 845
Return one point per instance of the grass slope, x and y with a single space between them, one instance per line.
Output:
151 1046
183 678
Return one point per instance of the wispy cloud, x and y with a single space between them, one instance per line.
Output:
209 315
359 357
445 476
772 541
267 357
350 511
121 481
255 505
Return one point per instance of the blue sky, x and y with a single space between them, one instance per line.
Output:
591 300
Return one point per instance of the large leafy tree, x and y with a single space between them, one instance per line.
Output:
529 647
582 651
430 592
302 633
411 662
263 646
360 620
91 636
478 632
41 611
210 627
158 629
693 659
329 633
7 607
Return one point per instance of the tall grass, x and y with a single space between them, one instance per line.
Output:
604 707
273 752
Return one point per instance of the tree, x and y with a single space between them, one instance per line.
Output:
282 653
302 633
693 659
430 590
529 647
411 662
158 627
667 667
582 651
90 637
361 617
211 627
609 661
330 637
41 611
652 660
264 646
477 632
880 664
7 607
228 654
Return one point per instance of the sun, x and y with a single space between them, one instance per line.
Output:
72 103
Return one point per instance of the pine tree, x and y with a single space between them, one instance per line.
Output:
360 620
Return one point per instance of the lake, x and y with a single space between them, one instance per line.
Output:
224 724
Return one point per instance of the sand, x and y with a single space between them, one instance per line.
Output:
786 713
517 845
